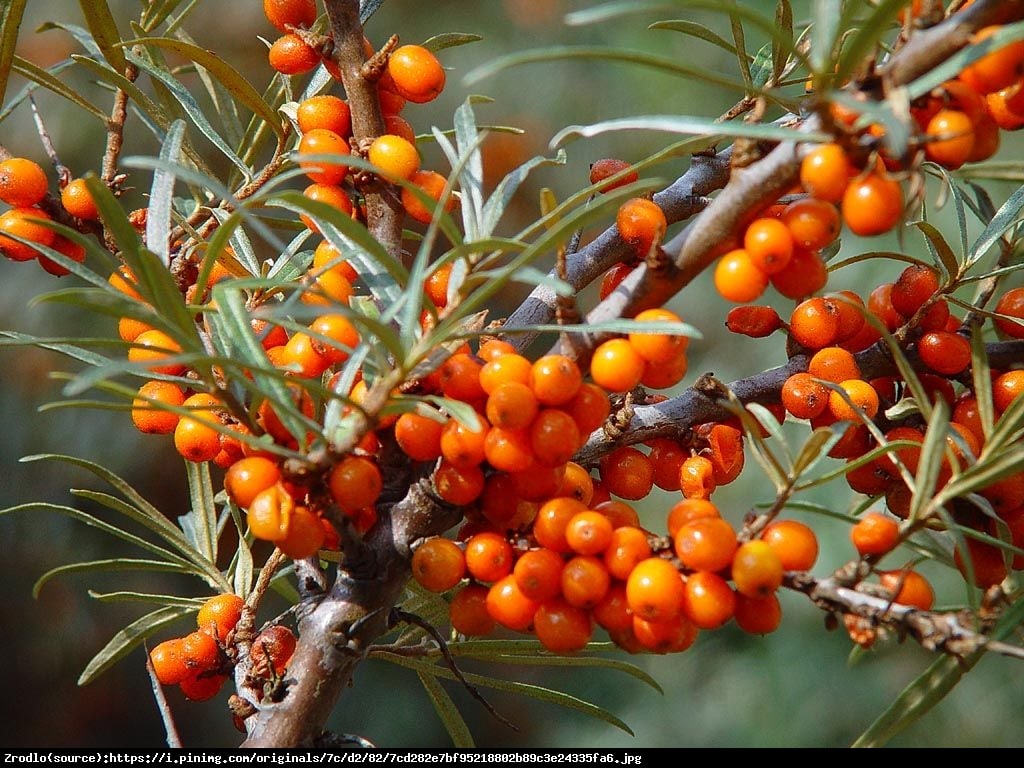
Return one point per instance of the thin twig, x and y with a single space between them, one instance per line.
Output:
173 739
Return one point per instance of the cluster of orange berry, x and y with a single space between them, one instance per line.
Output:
23 186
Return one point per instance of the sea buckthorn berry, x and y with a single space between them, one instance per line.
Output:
950 138
334 196
436 285
491 349
655 590
758 615
290 13
641 223
616 365
511 367
753 321
805 274
862 400
613 612
851 314
833 364
708 601
354 483
872 205
628 473
613 277
803 396
554 437
438 564
461 446
325 111
302 356
672 636
658 347
697 477
272 650
825 172
1005 108
195 440
1006 388
725 449
395 157
588 533
201 651
944 352
489 557
168 660
664 375
458 486
627 546
908 588
416 73
1011 304
552 519
291 55
996 70
220 614
203 686
589 408
986 562
618 512
248 477
915 285
609 166
769 244
667 457
738 278
705 544
538 574
328 256
585 581
431 184
321 141
23 182
509 450
686 510
511 405
66 247
270 513
460 378
146 413
812 223
880 305
395 124
875 534
509 606
334 337
555 379
561 627
756 569
987 138
468 611
814 323
795 544
24 223
419 436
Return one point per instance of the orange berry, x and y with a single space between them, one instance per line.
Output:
805 274
697 477
609 166
627 472
641 223
355 482
146 413
872 205
24 223
23 182
290 13
395 158
419 436
509 606
814 323
272 650
248 477
812 223
950 138
195 440
833 364
458 486
996 70
627 546
705 544
552 520
769 244
202 687
489 557
577 484
1006 388
758 615
613 277
803 396
324 111
825 172
168 661
944 352
1011 304
468 611
66 247
654 590
511 405
291 55
555 379
863 401
708 601
538 574
219 615
270 513
460 378
875 534
337 198
908 588
616 365
667 457
333 337
795 544
738 278
431 184
461 446
672 636
562 627
554 437
753 321
658 347
725 449
585 581
438 564
321 141
416 73
756 569
509 450
511 367
588 533
664 375
589 408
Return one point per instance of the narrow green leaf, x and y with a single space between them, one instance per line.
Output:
780 52
117 564
241 571
10 23
866 37
825 30
495 206
226 74
101 23
942 249
188 603
191 107
695 126
161 195
469 167
694 29
447 711
536 692
739 39
126 640
52 83
449 40
933 453
981 378
1006 218
203 516
541 659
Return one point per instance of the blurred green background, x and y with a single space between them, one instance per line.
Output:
798 687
